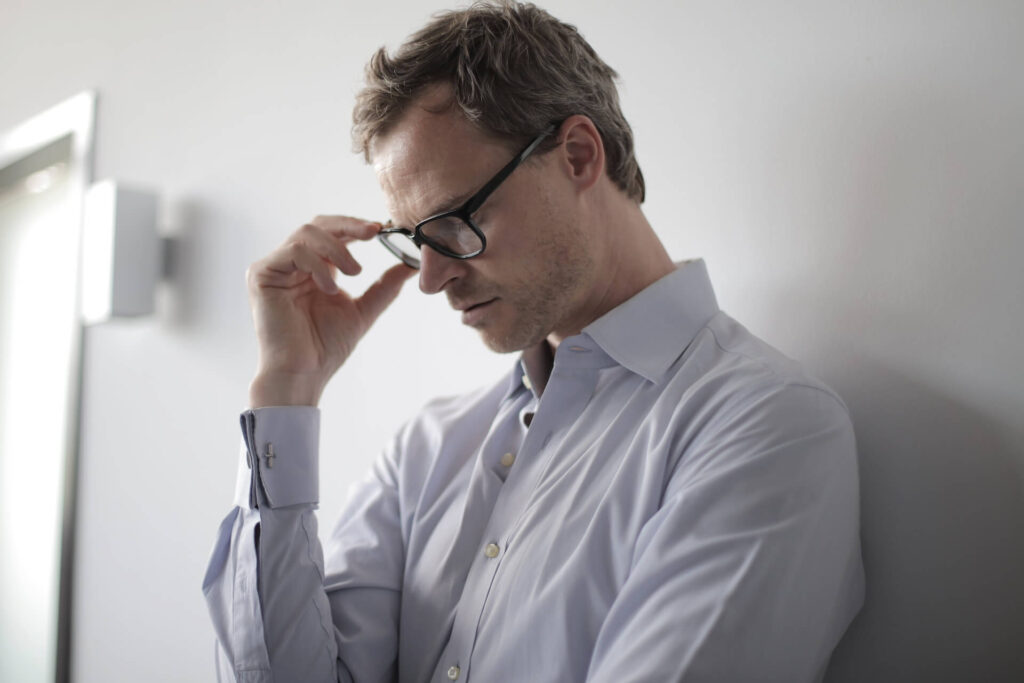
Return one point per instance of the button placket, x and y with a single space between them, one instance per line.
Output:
566 396
572 393
505 440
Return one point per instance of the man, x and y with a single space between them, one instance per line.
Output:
650 494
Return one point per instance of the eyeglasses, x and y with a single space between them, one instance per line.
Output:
452 233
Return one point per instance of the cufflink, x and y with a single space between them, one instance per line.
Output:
270 455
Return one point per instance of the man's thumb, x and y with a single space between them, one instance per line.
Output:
384 291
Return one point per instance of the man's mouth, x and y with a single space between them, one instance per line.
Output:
473 313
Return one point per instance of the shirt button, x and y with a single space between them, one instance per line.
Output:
453 672
492 550
508 459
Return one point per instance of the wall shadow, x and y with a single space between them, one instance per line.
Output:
943 532
179 298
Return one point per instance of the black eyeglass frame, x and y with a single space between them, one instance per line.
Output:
463 213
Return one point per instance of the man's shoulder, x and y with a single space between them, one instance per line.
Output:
729 379
745 401
745 365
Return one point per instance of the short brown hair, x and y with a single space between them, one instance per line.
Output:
514 69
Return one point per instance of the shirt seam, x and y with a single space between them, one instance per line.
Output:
775 373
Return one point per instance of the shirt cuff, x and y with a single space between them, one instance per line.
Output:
280 457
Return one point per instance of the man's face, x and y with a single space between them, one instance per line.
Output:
536 268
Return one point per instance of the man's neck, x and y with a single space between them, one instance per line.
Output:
628 258
538 361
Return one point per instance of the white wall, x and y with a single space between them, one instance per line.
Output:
852 172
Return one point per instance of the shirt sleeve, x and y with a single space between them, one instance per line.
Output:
265 584
751 569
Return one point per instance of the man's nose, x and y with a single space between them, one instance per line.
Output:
437 270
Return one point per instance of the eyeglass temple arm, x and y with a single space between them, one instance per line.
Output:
476 200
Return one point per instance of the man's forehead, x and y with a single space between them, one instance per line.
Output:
416 172
429 161
420 129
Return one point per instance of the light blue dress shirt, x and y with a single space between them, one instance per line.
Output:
683 506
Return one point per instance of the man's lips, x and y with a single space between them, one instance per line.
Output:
472 313
469 306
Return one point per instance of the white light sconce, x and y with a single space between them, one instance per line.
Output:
121 252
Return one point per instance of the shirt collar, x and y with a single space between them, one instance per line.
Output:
648 332
519 380
515 382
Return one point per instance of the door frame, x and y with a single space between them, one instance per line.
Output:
75 117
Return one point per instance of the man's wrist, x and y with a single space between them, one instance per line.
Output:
283 389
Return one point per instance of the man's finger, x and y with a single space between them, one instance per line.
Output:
320 269
328 247
382 292
348 228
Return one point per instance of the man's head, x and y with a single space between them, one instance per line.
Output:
513 70
456 103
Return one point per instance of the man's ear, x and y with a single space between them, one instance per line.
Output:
582 150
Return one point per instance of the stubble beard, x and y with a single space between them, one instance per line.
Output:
544 301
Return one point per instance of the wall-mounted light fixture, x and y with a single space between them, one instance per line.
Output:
121 252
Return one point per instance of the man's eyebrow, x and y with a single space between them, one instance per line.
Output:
452 202
448 203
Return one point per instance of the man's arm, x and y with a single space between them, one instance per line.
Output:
265 557
751 569
265 581
265 585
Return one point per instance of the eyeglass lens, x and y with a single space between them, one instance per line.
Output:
453 234
403 247
449 233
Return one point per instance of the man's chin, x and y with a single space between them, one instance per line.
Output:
508 341
498 344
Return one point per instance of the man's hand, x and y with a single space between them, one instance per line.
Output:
306 326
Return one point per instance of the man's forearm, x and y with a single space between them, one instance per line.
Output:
264 586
